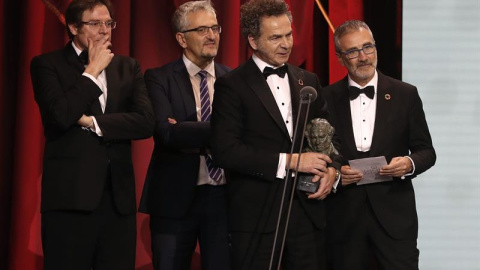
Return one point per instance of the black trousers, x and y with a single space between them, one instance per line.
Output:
373 241
174 240
99 240
304 246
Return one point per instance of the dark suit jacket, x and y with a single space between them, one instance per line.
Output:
248 133
400 130
76 162
173 172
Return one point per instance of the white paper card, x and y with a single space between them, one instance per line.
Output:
370 168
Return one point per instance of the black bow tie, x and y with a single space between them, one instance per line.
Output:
83 56
354 92
281 71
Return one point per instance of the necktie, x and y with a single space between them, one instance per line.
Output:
83 56
354 92
205 110
281 71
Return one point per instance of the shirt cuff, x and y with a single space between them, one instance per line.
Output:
413 169
96 127
335 184
282 160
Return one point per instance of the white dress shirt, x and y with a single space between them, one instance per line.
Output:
203 176
101 82
281 92
363 110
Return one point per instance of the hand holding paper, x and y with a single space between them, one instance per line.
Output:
350 176
370 168
398 167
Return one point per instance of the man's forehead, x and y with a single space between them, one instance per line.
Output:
91 12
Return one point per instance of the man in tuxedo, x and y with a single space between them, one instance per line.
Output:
185 192
91 110
254 115
375 115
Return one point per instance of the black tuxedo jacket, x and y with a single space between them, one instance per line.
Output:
400 130
77 162
248 133
173 172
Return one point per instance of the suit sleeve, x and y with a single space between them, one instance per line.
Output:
420 142
135 120
186 133
61 108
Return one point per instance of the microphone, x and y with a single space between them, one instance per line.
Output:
308 95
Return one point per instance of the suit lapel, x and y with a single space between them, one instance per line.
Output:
182 78
296 79
219 71
72 58
342 106
113 87
74 62
381 114
258 84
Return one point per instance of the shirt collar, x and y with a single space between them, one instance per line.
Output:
77 50
260 63
194 69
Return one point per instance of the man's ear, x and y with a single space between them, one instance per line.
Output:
253 42
73 29
181 39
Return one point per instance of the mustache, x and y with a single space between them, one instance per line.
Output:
363 64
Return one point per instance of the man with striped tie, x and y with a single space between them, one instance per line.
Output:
184 192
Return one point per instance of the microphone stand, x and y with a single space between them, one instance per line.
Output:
309 96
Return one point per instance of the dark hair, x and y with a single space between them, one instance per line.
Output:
252 12
74 12
345 28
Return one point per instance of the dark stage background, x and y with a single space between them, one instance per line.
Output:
32 27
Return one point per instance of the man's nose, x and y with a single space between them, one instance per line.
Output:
284 43
362 55
210 33
103 28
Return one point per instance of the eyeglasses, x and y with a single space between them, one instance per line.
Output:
97 24
203 30
354 53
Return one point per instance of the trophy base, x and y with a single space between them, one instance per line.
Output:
305 184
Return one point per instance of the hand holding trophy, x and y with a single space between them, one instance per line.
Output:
319 134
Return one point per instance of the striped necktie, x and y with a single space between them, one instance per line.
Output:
214 172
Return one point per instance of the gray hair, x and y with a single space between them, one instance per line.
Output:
348 27
179 19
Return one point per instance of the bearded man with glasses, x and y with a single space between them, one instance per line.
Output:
184 192
92 104
375 116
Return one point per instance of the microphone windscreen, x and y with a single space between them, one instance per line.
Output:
308 94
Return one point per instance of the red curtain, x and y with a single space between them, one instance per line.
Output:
29 28
340 11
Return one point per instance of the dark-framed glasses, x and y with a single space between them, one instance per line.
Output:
354 53
97 24
203 30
